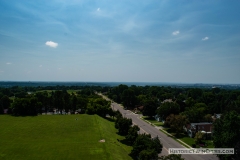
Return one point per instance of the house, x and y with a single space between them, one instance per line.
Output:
216 116
158 118
205 127
167 100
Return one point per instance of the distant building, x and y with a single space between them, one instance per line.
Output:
216 116
203 127
158 118
167 100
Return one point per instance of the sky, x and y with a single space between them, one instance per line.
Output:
178 41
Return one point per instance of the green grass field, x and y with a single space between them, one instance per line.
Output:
60 137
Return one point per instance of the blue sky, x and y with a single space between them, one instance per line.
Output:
120 41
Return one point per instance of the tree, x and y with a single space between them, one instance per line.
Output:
128 98
148 154
168 108
58 101
146 147
169 120
157 144
5 103
226 132
82 103
176 123
132 134
198 137
208 118
196 113
141 99
25 106
150 107
118 114
101 110
73 102
44 99
123 125
195 93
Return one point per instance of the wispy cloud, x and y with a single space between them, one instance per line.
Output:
205 38
40 66
51 44
8 63
175 33
98 9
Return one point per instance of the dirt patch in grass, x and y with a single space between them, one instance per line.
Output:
102 140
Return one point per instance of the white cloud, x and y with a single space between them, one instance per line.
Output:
51 44
205 38
8 63
175 33
40 65
98 9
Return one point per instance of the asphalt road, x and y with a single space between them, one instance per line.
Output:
165 140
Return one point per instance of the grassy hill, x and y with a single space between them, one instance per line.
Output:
60 137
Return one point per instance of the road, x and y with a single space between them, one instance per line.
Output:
165 140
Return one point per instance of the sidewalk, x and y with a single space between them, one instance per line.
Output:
170 135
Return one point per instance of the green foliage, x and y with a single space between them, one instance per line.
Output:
226 132
168 108
128 98
5 103
146 147
198 137
148 154
99 106
132 134
150 107
195 93
26 106
196 113
208 118
123 125
176 123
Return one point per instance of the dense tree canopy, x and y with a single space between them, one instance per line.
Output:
226 132
150 107
168 108
145 147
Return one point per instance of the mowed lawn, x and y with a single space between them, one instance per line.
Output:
60 137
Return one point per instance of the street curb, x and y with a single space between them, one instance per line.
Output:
148 122
178 140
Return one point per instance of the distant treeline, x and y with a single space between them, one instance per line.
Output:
188 101
37 100
9 84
